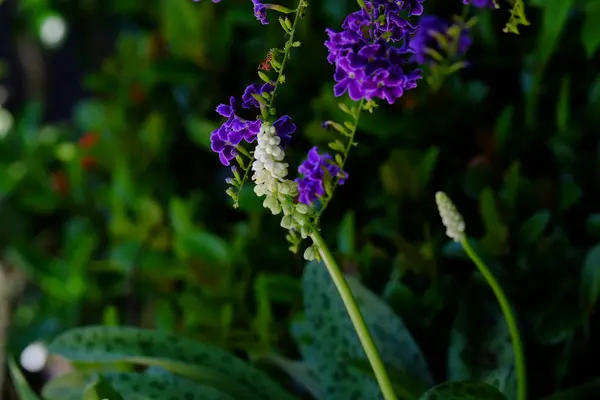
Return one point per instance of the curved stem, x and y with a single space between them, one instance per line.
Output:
509 316
357 319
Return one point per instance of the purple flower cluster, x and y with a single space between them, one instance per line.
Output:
481 3
235 129
423 39
260 12
367 65
314 169
248 101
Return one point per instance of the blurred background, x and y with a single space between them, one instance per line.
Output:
113 207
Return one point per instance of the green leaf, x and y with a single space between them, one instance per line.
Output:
496 232
269 288
533 228
562 108
404 385
593 225
479 335
590 32
512 183
346 239
569 194
205 246
134 386
185 26
153 133
503 125
337 145
334 342
586 391
20 383
194 360
101 390
463 391
555 15
428 164
589 287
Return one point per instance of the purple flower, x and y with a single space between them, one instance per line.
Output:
481 3
315 169
260 12
284 127
231 133
424 40
371 52
248 101
220 144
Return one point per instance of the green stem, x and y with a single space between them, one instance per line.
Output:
287 50
349 145
509 316
357 319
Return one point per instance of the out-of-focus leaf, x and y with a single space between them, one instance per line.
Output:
593 225
569 193
152 133
199 131
590 31
21 385
404 385
184 26
101 390
554 18
194 360
512 182
428 164
346 235
133 386
532 229
589 287
503 127
463 391
496 232
480 347
205 246
562 108
587 390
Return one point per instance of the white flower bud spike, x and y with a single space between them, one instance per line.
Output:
451 218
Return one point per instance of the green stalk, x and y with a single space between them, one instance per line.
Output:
357 319
349 145
267 110
509 316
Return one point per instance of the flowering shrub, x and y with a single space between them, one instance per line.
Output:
362 109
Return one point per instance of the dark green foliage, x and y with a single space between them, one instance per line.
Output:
146 236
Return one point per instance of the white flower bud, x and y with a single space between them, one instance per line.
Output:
451 218
287 222
310 254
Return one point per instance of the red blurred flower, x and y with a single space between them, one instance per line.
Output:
89 140
60 183
136 93
87 162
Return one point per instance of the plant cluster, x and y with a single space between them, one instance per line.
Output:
395 81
